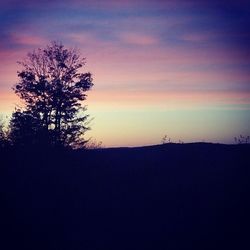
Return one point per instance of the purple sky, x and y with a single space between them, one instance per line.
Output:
160 67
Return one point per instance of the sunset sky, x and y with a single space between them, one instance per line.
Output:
180 68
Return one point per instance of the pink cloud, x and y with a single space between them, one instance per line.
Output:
118 53
26 39
138 39
168 99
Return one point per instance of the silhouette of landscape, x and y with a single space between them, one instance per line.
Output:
169 196
175 67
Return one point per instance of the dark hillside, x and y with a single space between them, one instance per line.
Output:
172 196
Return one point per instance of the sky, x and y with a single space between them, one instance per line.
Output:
175 68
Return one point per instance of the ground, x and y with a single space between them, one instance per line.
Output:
171 196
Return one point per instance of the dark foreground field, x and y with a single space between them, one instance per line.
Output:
173 196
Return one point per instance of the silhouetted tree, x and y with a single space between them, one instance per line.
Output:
52 88
25 128
2 134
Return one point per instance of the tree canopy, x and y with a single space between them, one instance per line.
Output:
52 88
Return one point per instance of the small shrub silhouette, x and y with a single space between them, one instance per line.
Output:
242 139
